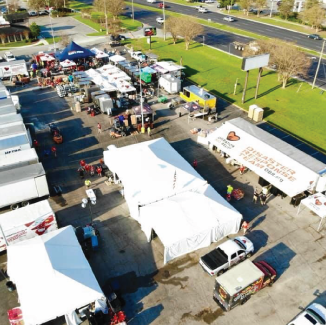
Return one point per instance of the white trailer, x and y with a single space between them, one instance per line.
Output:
18 159
20 185
170 84
11 119
7 110
13 68
25 223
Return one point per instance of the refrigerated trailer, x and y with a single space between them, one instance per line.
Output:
18 159
25 223
19 186
11 119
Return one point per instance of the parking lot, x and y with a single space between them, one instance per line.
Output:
179 292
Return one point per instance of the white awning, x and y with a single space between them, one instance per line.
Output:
282 165
52 276
67 63
99 54
117 58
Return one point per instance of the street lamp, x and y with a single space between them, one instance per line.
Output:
164 21
89 202
132 9
270 14
141 100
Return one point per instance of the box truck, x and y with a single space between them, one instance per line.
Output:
13 68
11 119
18 159
20 185
25 223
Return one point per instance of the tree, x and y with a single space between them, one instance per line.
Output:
314 16
37 4
26 34
225 3
190 29
286 8
3 38
245 5
310 3
285 57
173 26
35 30
65 40
260 4
114 26
13 5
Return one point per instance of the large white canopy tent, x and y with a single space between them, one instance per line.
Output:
52 276
166 194
282 165
190 220
317 204
148 170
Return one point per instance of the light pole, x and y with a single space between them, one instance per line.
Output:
164 21
141 101
106 19
270 14
132 10
320 57
55 47
89 202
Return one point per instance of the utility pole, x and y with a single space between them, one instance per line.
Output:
164 20
320 57
106 19
132 9
271 13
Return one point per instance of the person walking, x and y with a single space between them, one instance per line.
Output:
99 128
229 189
242 169
99 171
87 168
263 199
82 163
88 183
80 170
256 196
149 131
245 227
195 164
35 144
54 151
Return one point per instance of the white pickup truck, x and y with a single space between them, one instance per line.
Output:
226 255
139 56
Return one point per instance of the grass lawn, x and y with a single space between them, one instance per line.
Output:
56 39
79 5
301 114
182 2
17 44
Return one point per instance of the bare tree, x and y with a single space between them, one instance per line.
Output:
260 5
246 5
285 57
173 26
314 16
65 40
26 34
286 8
37 4
13 5
190 29
114 26
310 3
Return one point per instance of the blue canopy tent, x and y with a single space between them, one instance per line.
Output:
74 52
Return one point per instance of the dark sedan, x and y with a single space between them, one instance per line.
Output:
315 36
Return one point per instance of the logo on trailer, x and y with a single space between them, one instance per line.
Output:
75 52
232 136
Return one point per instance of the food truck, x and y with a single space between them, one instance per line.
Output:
236 286
198 95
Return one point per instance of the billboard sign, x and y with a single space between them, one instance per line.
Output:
255 62
150 31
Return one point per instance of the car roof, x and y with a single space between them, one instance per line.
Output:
229 247
301 318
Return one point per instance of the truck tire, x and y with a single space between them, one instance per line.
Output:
245 300
15 206
249 255
25 203
220 272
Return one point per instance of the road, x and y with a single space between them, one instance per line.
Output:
223 40
244 24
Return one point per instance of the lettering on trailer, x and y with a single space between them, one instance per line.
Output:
269 165
75 52
17 235
249 290
13 150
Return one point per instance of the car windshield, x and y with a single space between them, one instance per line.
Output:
312 316
10 56
240 243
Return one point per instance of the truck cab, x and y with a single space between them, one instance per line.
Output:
226 255
239 284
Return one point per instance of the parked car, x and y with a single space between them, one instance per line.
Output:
160 20
21 10
198 7
32 13
226 255
228 18
202 10
209 1
315 36
315 314
8 56
162 5
139 56
117 38
151 1
43 12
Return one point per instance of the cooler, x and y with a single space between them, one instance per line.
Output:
15 316
94 240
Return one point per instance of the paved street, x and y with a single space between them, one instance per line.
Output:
179 292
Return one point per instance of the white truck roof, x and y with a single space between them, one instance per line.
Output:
21 173
16 141
8 110
239 277
27 155
24 215
8 131
229 247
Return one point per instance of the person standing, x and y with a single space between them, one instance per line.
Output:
99 128
35 144
149 131
242 169
80 170
256 196
99 171
195 164
229 189
87 168
54 151
88 183
82 163
245 227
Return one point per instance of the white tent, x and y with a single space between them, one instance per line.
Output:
189 221
52 276
67 63
279 163
151 171
117 58
317 204
99 54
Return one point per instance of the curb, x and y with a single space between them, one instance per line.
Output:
86 25
22 47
